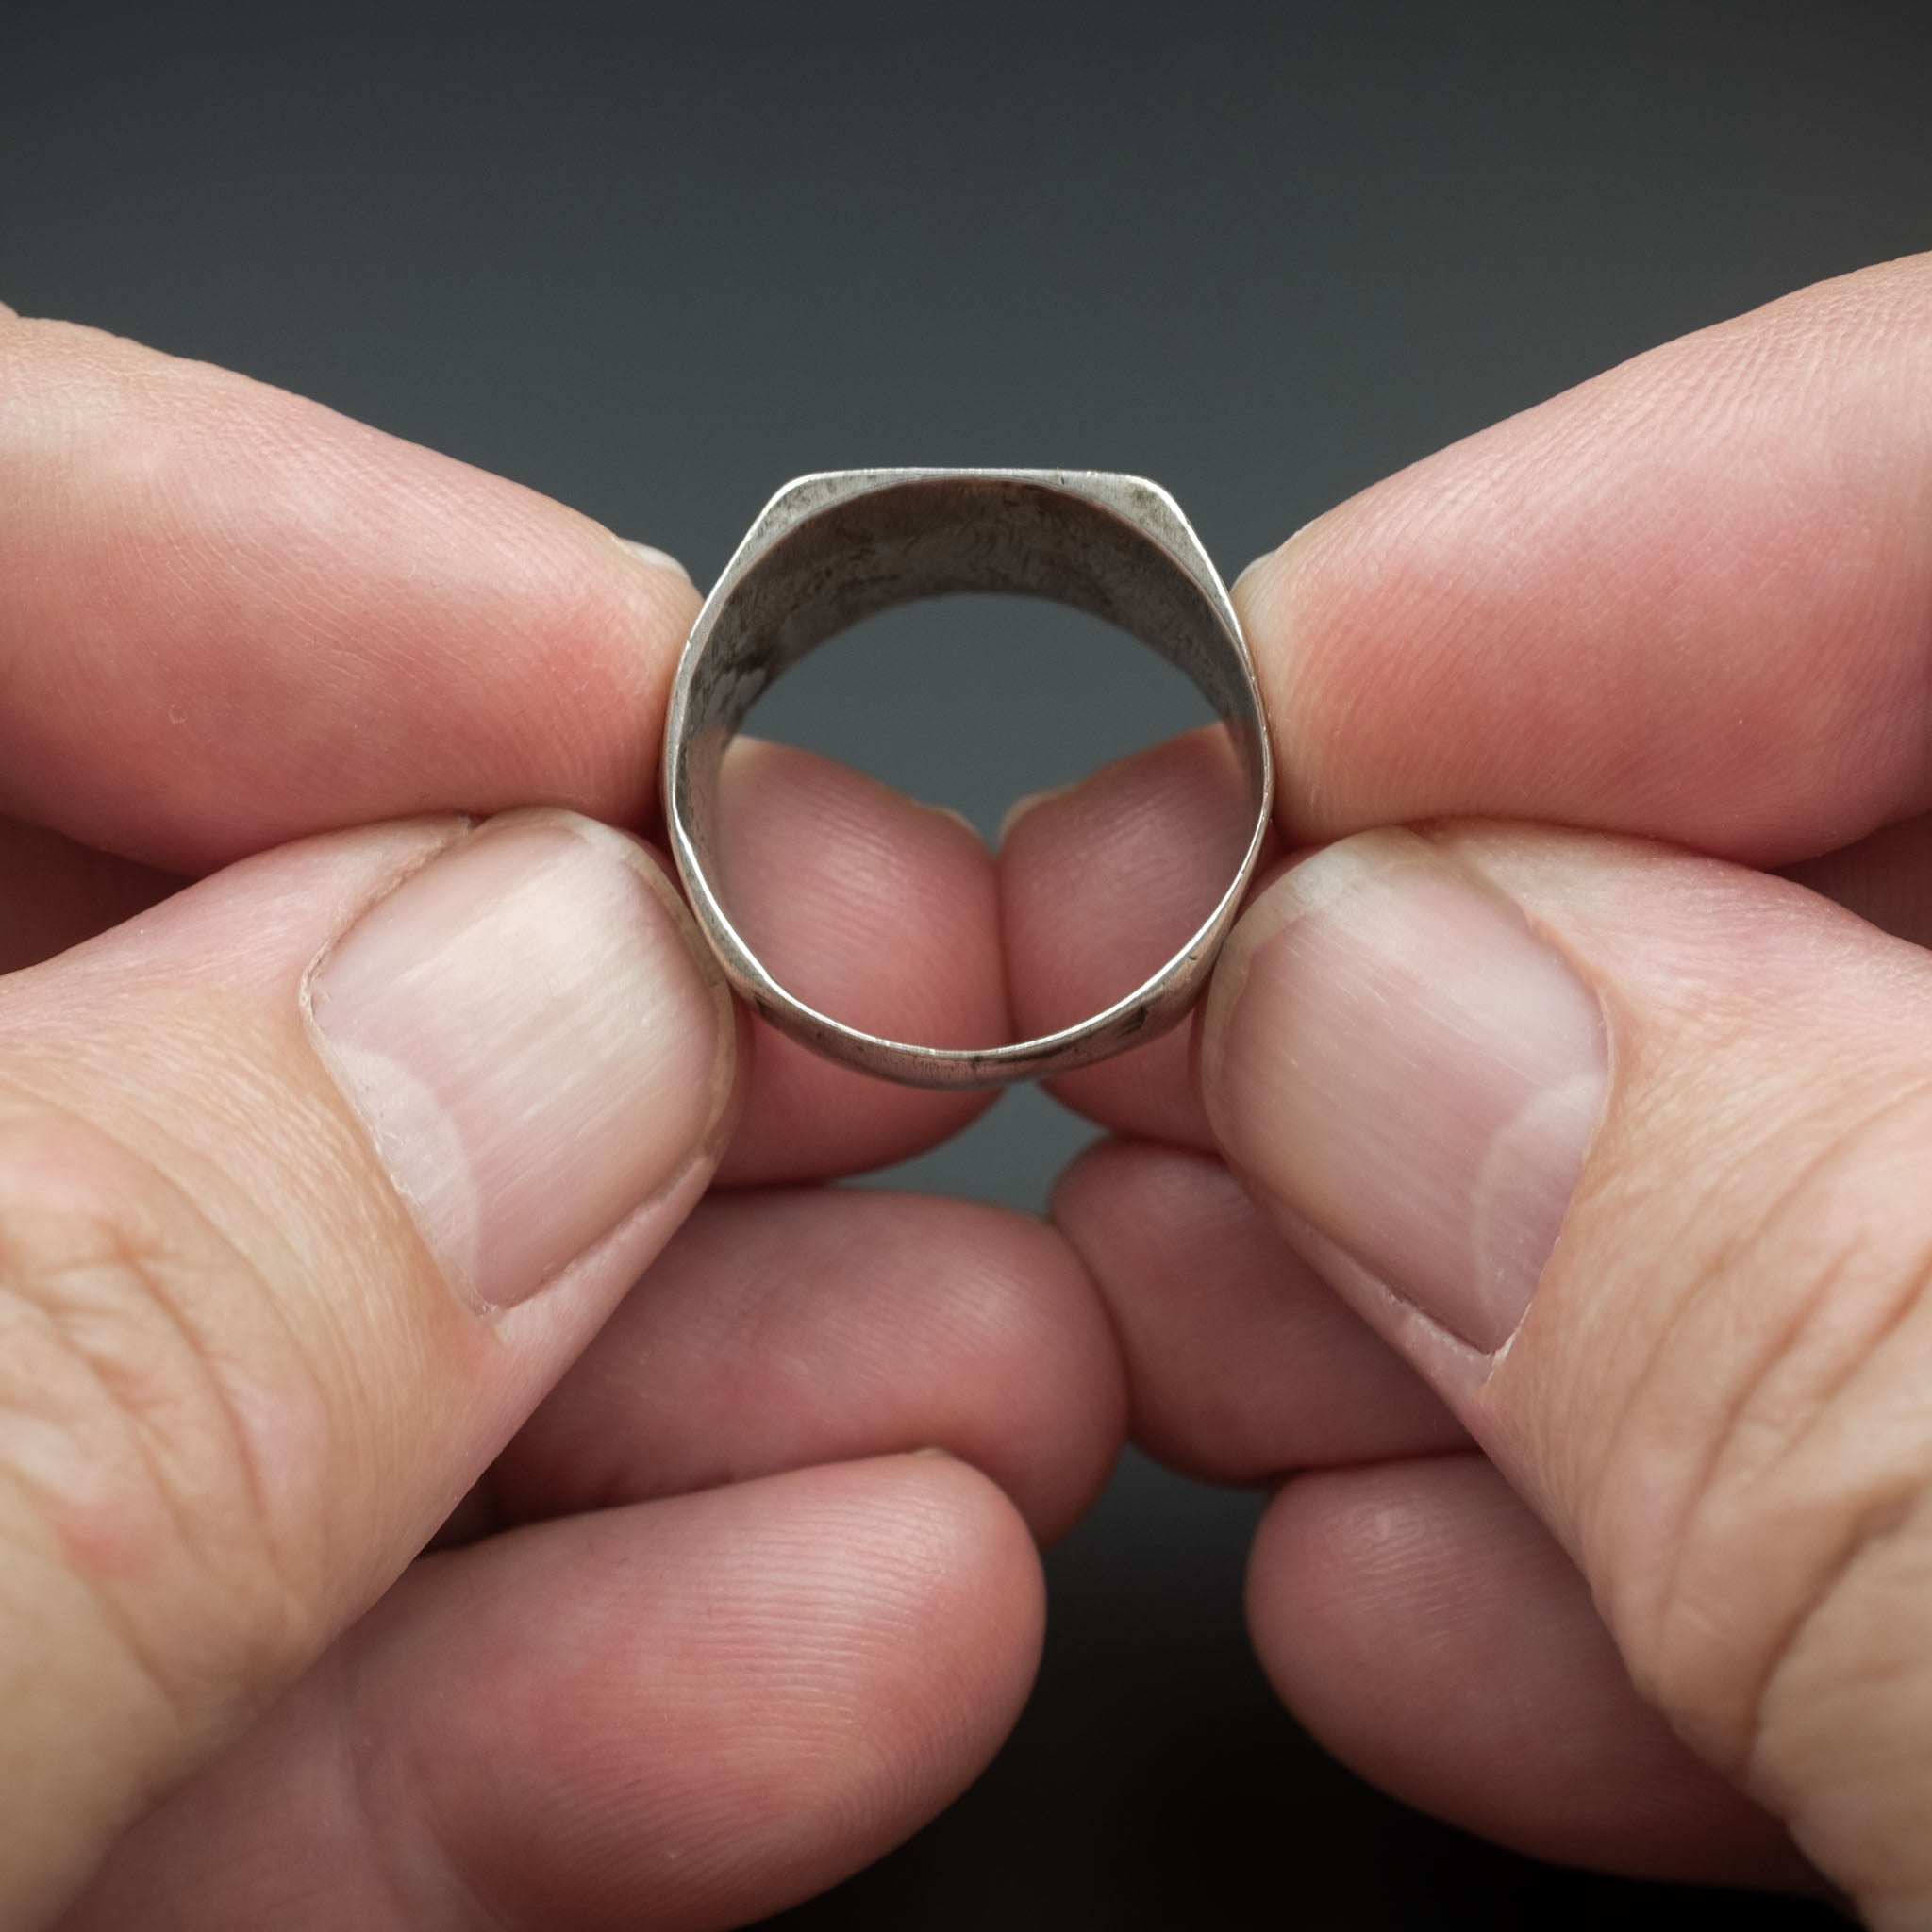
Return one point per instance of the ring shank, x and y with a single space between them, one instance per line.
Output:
832 551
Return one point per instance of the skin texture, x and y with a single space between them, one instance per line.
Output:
1689 601
246 1376
699 1708
1619 1559
879 911
145 498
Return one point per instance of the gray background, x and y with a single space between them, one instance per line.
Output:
655 261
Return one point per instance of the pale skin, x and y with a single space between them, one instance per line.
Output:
400 1174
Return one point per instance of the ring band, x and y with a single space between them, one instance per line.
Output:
831 550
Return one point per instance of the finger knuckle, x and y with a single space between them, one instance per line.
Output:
1778 1448
132 1431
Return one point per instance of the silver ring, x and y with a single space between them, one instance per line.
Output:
831 550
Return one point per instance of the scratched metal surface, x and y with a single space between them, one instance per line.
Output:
827 553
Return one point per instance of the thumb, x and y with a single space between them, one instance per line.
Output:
311 1181
1627 1152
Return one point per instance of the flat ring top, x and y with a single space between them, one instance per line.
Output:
831 550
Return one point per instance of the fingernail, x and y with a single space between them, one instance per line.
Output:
1255 574
949 811
1391 1053
1257 584
658 560
1026 802
1252 569
526 1029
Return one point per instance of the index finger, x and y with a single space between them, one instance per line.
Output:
230 617
1691 599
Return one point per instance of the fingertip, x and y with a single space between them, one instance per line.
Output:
789 1328
871 908
653 558
1264 599
885 1620
812 852
773 1683
1240 1360
1026 802
1428 1630
1252 592
983 1612
1101 884
1149 1090
689 1714
1037 1356
984 1536
805 1118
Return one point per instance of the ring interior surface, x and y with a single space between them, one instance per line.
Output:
829 551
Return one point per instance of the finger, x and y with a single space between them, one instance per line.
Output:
786 1328
1240 1363
685 1715
232 617
1683 1105
1687 599
1427 1629
874 909
1886 879
1101 884
313 1180
53 893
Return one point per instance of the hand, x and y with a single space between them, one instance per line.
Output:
316 1178
1620 1151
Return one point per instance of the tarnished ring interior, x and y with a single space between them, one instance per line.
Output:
934 537
831 550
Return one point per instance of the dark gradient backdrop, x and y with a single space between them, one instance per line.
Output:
655 260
